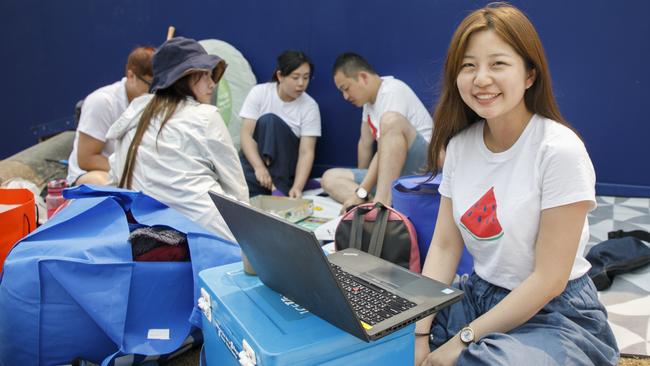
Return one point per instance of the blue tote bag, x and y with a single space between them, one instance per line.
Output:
417 197
71 290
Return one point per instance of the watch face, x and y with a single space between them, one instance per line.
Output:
467 335
362 193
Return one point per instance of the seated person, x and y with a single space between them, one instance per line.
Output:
280 125
172 144
394 117
88 162
517 186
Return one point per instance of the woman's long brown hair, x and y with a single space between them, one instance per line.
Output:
164 102
451 114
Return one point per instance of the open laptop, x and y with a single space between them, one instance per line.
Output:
366 296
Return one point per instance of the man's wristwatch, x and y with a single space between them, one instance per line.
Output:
466 335
361 193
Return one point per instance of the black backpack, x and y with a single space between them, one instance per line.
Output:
381 231
623 252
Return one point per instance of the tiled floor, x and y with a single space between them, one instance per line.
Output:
628 299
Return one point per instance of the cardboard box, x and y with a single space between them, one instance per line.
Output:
290 209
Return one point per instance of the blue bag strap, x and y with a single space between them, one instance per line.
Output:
123 196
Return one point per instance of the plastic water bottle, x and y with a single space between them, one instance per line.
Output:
54 197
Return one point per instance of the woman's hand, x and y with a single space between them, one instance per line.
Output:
264 178
351 202
422 349
295 192
445 355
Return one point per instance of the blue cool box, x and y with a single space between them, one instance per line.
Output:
238 307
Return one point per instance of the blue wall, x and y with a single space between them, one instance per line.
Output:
56 52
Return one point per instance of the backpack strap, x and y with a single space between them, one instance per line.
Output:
639 234
379 230
356 231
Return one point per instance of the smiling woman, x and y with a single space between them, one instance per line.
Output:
492 82
517 186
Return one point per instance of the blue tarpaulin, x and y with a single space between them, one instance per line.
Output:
72 290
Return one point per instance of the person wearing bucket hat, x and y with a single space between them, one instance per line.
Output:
172 144
280 125
179 57
88 161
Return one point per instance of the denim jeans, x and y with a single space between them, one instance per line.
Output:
276 143
571 329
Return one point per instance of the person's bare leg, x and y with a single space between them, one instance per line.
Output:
339 183
397 134
96 177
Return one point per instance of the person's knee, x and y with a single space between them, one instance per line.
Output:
269 119
515 349
333 176
393 122
328 179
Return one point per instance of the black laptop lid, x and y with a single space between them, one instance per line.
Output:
289 260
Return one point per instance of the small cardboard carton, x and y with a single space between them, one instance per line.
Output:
290 209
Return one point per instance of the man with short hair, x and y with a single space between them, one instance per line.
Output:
394 117
88 162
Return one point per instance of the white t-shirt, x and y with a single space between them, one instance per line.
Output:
547 167
301 115
395 96
99 111
192 155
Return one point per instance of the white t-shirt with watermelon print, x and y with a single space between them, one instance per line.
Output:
498 197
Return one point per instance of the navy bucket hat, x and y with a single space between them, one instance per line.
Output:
180 56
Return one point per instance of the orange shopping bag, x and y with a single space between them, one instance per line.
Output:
17 218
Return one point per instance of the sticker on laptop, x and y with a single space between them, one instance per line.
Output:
365 325
447 291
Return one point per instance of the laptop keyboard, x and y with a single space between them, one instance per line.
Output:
371 303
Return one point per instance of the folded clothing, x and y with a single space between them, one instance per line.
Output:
165 253
158 243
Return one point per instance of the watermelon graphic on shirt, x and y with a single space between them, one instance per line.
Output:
480 221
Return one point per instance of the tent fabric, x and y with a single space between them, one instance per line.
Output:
237 81
71 289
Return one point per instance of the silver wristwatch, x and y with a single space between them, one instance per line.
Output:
466 335
361 193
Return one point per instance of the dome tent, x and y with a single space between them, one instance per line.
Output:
233 87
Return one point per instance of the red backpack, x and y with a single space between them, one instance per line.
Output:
381 231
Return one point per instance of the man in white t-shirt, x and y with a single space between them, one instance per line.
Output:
394 117
88 162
